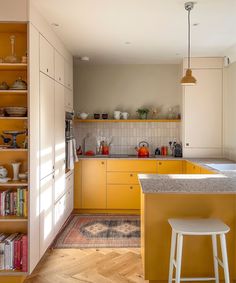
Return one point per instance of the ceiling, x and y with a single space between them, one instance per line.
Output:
141 31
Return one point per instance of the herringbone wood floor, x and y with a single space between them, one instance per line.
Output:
89 266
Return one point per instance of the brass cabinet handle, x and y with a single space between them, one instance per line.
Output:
160 163
102 162
131 175
131 187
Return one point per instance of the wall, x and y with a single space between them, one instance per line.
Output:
230 112
105 88
125 136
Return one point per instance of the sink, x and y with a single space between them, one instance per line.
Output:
223 167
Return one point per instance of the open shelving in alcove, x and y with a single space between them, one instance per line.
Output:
10 220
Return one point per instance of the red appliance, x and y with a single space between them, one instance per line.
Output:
143 149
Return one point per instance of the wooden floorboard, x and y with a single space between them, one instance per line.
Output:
89 266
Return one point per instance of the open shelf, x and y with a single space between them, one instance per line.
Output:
14 184
12 273
14 149
13 218
125 121
13 91
13 118
12 66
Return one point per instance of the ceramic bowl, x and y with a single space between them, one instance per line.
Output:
16 111
83 115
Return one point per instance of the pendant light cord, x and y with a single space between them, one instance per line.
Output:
189 38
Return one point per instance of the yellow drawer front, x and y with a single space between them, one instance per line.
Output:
123 196
206 171
144 166
122 178
170 167
192 168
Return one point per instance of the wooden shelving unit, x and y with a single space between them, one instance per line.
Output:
10 72
126 121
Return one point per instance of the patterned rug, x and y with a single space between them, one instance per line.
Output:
100 231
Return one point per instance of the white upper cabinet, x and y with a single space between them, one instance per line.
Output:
68 75
46 57
202 113
46 126
59 68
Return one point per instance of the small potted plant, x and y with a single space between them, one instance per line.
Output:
143 113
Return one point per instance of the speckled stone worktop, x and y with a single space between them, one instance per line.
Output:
222 182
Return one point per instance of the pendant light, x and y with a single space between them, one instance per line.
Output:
188 79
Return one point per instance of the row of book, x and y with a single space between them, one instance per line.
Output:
14 202
13 252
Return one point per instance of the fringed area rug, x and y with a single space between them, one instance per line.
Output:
100 231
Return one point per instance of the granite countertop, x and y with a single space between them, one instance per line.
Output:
222 182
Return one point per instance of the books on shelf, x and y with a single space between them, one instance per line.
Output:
13 252
14 202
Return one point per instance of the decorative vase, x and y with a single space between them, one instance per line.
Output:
16 169
143 116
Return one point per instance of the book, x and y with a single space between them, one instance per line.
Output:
24 253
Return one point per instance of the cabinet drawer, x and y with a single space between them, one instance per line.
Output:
122 178
143 166
206 171
123 197
192 168
69 182
170 167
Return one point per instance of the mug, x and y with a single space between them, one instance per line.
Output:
125 115
117 115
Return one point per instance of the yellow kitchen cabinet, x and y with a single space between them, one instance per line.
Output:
142 166
170 167
93 184
123 197
122 178
78 185
191 168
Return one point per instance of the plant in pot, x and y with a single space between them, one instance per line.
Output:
143 113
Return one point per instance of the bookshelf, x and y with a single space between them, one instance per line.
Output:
10 223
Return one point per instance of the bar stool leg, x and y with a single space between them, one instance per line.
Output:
179 258
215 255
172 256
224 257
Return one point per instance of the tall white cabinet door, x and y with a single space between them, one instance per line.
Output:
46 213
59 68
203 110
46 57
68 75
46 125
59 141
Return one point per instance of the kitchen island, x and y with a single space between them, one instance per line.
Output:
181 196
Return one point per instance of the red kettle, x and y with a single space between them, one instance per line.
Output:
143 149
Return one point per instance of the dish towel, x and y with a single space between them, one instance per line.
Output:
74 150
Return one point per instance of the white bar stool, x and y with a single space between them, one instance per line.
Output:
198 227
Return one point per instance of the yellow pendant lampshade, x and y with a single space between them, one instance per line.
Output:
188 79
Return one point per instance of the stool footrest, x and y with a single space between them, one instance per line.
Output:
197 279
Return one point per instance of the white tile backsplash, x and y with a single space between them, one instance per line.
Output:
127 135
